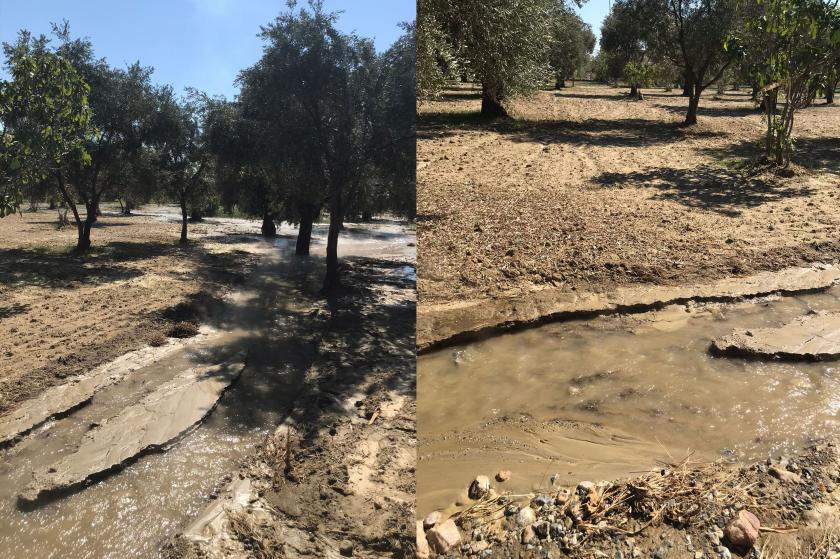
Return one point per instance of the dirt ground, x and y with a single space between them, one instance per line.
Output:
63 314
337 479
586 189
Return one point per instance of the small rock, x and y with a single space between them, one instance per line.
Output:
503 476
443 537
541 500
526 516
432 519
698 555
528 536
783 475
479 487
659 553
541 529
346 548
423 551
742 530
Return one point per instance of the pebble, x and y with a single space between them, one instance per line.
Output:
346 548
742 530
503 476
479 487
444 536
432 519
659 553
526 516
528 535
541 529
423 551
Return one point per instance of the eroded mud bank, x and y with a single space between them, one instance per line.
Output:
450 323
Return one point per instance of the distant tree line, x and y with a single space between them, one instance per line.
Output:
507 46
787 51
322 124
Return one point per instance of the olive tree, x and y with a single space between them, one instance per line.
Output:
793 45
503 42
44 119
697 34
572 42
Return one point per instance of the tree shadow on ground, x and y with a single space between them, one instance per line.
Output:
619 95
11 310
625 132
704 110
816 154
711 188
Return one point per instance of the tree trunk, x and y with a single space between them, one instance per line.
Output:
829 94
183 220
331 281
693 102
688 87
367 216
83 242
268 228
634 91
53 204
308 214
559 84
491 107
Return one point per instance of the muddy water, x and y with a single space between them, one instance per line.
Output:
132 512
606 397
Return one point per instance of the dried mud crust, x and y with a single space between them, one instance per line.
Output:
62 315
338 477
585 189
680 511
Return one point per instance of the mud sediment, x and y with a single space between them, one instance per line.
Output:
159 419
63 399
814 337
446 324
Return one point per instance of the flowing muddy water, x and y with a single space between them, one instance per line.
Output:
605 397
130 513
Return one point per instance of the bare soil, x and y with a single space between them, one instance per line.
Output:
62 314
338 477
586 189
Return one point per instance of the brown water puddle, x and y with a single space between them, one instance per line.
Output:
602 398
131 513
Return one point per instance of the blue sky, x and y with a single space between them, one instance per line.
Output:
198 43
593 13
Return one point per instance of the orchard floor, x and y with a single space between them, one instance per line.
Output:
318 366
586 189
62 314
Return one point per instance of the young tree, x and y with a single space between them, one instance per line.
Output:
44 119
182 152
699 30
793 45
638 75
121 104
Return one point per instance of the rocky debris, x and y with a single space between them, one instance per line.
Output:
443 537
503 476
813 337
157 420
742 530
700 511
438 325
479 487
